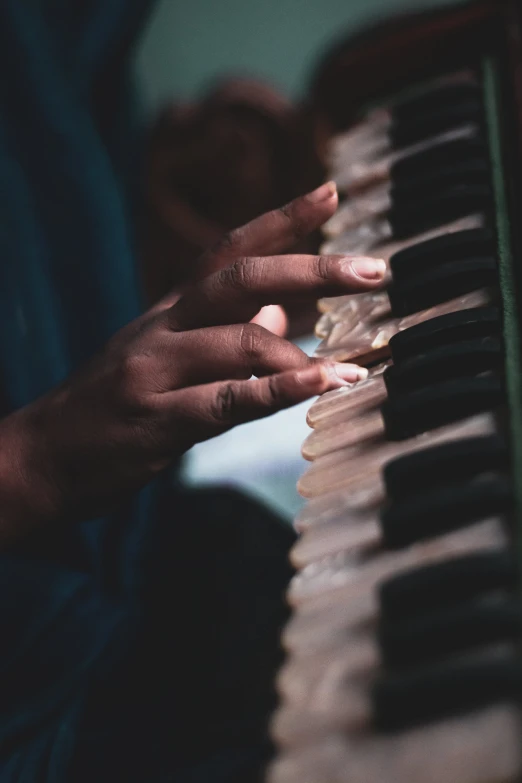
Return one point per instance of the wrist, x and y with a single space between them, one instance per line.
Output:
28 495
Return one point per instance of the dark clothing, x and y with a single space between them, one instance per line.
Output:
175 684
141 646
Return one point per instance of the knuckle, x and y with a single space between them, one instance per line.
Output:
252 338
297 225
322 268
231 242
134 368
241 275
135 372
273 391
138 405
224 405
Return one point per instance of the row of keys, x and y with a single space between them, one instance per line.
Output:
402 649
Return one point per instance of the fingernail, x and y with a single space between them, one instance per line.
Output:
344 374
351 372
323 193
310 376
367 268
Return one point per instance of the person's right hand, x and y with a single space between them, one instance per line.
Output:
178 375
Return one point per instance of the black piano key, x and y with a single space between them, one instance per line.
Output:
453 461
446 583
442 509
425 409
432 692
435 99
468 357
404 192
431 635
444 154
425 125
430 288
444 330
444 249
435 208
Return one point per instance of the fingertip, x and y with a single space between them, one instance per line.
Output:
313 378
370 271
325 376
352 373
326 192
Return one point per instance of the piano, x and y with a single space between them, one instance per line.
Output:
403 659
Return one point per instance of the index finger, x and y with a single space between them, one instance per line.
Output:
274 231
235 294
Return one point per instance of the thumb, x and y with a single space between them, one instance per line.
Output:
273 318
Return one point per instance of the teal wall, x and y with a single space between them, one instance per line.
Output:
189 42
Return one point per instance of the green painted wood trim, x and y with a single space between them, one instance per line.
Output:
493 104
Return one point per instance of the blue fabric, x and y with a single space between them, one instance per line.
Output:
67 282
61 182
67 273
139 647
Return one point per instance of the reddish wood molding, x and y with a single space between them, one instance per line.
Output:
399 51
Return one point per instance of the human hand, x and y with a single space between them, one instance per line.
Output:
178 375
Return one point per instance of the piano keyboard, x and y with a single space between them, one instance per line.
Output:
403 648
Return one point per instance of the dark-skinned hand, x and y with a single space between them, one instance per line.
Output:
179 374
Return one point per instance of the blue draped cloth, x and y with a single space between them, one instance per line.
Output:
69 609
140 647
68 272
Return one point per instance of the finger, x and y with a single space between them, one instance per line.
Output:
165 302
217 407
207 355
273 318
236 293
274 231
